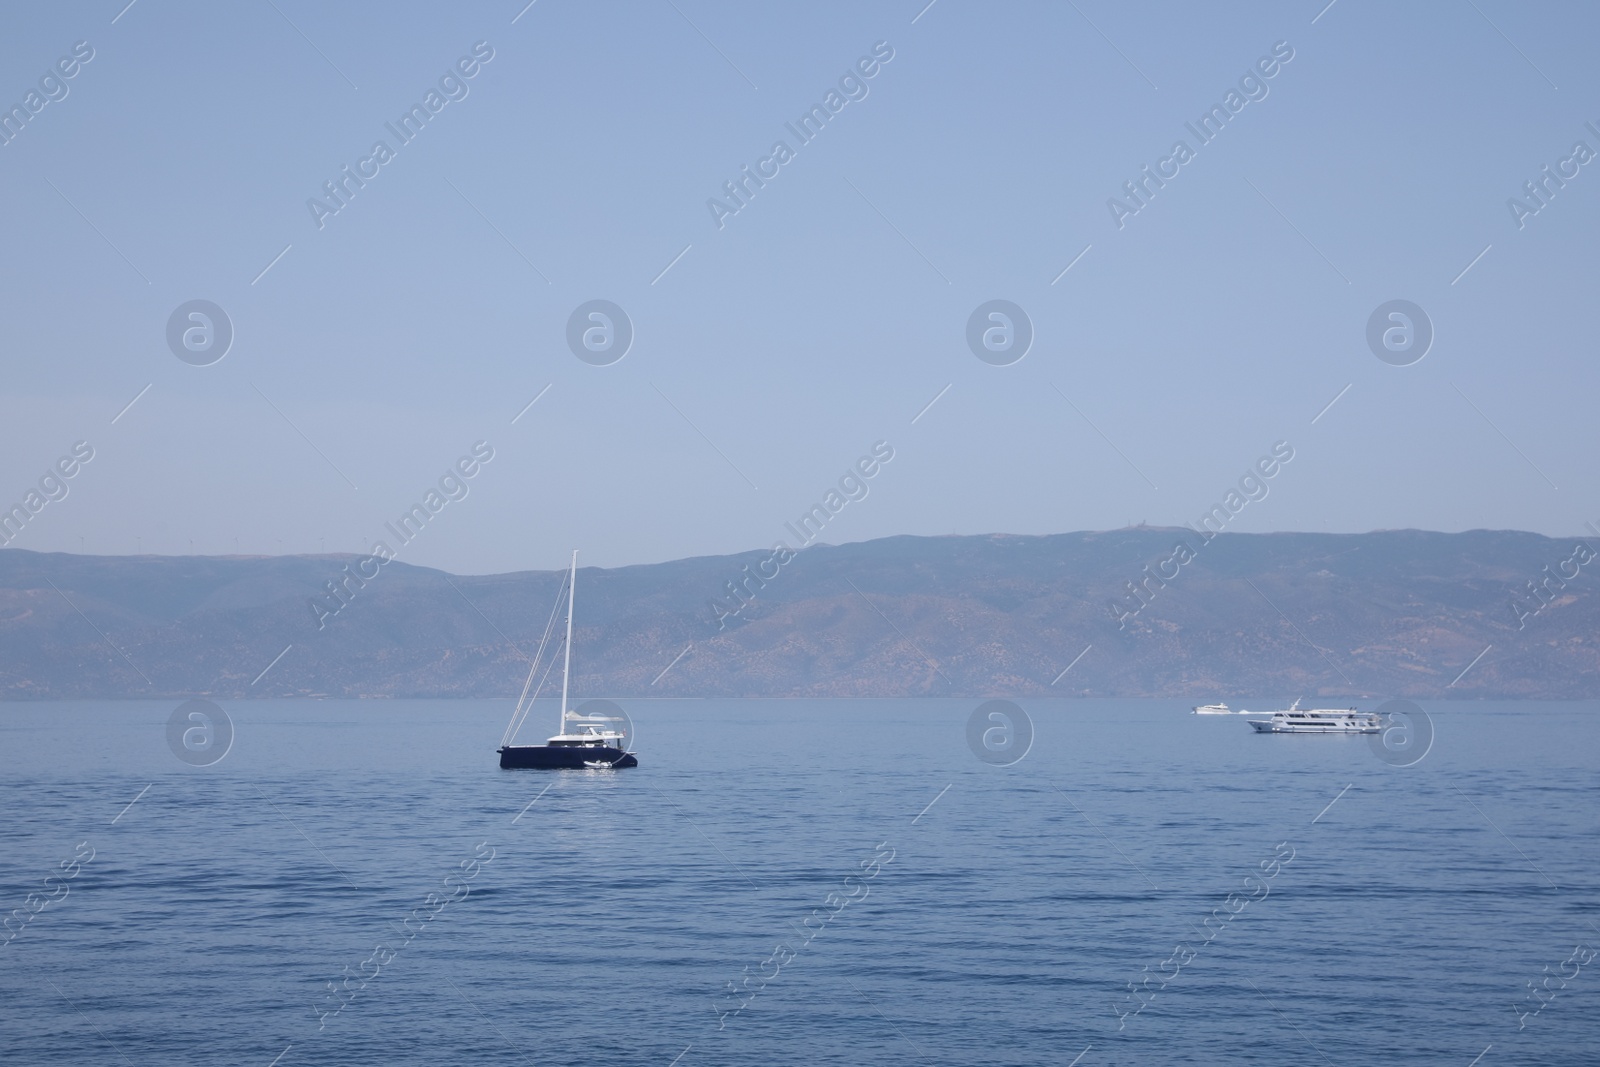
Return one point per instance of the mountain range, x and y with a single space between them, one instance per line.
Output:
1480 614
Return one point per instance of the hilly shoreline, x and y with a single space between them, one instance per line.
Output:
1475 615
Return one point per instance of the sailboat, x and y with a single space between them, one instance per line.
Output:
584 742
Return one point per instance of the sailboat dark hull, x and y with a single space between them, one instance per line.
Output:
564 758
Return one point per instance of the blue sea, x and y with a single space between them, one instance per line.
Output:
798 881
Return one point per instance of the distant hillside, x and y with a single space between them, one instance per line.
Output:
1399 613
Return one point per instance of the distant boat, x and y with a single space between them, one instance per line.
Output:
1212 709
585 742
1318 721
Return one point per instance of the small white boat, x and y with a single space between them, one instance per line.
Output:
1318 721
1212 709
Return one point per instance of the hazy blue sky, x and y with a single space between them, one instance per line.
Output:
421 318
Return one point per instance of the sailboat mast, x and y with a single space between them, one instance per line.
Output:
566 667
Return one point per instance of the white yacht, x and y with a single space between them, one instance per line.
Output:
1213 709
1318 721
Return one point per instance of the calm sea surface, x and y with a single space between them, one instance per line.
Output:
358 882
